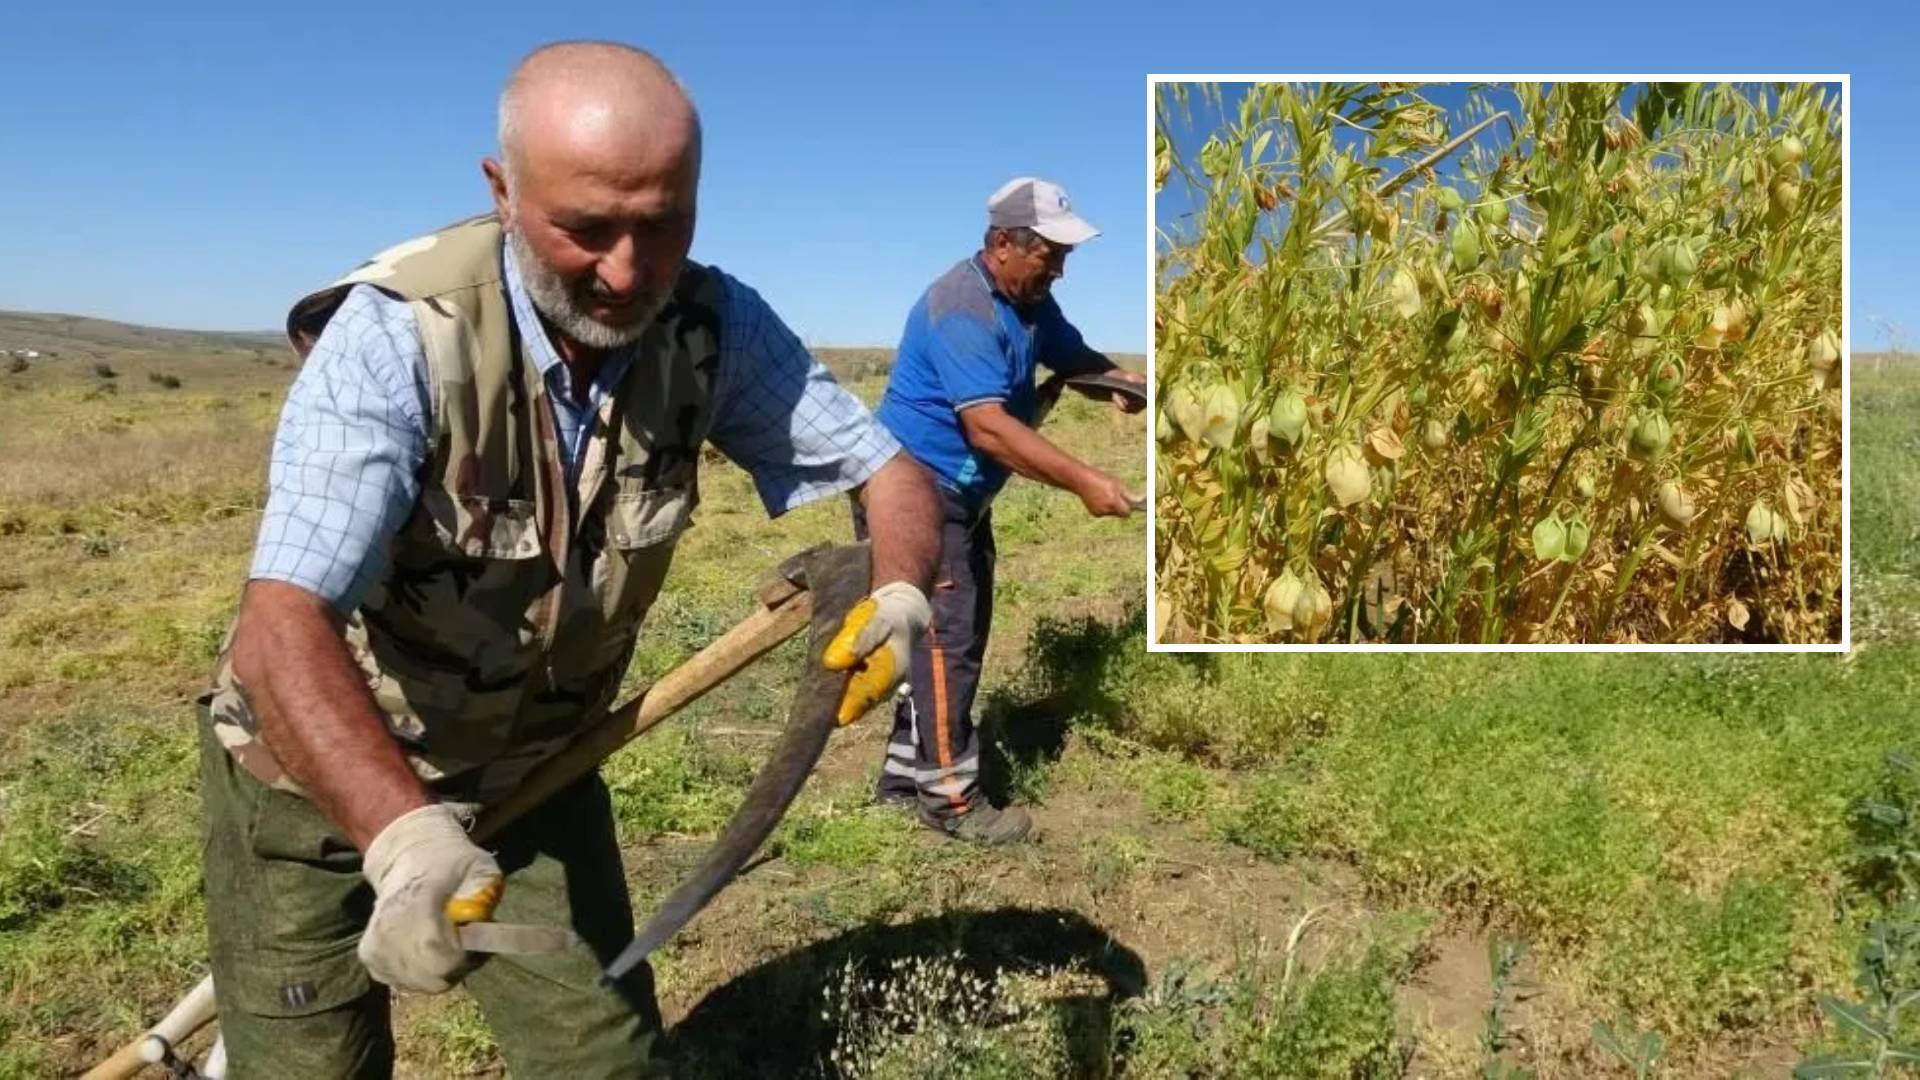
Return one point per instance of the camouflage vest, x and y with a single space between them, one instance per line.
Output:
508 614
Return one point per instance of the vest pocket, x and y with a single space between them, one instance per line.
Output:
642 527
647 518
480 527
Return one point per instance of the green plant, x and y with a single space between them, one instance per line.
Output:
933 1017
848 837
1636 1049
1879 1035
1503 957
1109 862
671 782
1884 1039
1270 1017
455 1036
1177 790
1886 830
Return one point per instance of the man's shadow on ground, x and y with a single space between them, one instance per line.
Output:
774 1020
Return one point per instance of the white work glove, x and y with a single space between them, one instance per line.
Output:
876 642
426 877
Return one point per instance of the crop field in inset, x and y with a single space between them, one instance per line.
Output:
1503 363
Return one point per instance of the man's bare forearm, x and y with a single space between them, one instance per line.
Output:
903 522
315 713
994 432
1094 362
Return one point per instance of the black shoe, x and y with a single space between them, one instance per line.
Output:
897 800
984 824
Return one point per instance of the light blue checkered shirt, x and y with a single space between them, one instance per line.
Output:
357 427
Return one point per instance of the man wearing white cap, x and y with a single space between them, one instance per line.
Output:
962 400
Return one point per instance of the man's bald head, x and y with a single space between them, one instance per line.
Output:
594 96
596 187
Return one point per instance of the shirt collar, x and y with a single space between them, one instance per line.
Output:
546 359
1026 313
532 330
979 261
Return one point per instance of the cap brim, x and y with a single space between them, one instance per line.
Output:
1069 230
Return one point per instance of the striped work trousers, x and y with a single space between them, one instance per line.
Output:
934 752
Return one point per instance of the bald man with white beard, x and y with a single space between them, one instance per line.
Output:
476 487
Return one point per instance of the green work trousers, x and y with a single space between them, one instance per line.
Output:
286 905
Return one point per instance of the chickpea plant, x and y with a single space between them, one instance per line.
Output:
1570 373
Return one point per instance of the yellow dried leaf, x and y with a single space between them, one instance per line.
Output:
1798 497
1384 446
1737 614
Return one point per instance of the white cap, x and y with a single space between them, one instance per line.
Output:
1034 204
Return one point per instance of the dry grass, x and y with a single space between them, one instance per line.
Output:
127 518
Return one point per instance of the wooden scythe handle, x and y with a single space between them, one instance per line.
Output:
776 620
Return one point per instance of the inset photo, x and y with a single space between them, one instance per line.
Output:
1493 364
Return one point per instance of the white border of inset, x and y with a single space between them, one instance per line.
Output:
1846 373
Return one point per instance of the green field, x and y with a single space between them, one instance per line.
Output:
1294 865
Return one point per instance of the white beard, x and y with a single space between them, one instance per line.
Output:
553 298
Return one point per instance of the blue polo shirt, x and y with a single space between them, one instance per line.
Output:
965 344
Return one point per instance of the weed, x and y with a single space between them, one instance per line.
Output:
1728 961
1177 790
1336 1021
670 783
1878 1035
1268 817
931 1017
1886 829
1111 861
852 836
452 1034
1503 957
1636 1049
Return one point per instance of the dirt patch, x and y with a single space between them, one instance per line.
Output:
1150 890
1107 887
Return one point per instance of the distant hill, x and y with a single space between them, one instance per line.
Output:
80 334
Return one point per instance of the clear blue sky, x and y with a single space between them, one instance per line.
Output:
203 168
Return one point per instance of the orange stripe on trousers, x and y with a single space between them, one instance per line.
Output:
940 713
